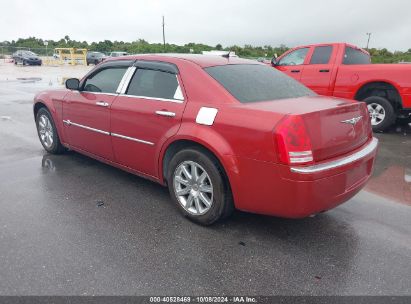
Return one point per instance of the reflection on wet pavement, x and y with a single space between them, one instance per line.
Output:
392 174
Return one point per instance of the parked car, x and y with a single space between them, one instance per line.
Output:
118 54
221 133
26 58
95 57
344 70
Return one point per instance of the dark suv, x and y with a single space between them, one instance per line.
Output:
26 58
95 57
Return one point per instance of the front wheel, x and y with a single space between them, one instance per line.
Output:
47 132
381 112
198 186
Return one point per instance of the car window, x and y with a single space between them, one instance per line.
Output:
253 83
321 55
355 56
156 84
105 81
296 57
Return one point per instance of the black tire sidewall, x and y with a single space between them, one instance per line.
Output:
219 188
389 112
56 146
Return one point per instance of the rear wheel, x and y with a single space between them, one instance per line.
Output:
381 112
198 186
47 132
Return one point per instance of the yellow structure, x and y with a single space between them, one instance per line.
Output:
72 54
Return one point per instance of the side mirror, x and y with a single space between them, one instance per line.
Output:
73 84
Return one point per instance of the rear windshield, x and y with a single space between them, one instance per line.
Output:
253 83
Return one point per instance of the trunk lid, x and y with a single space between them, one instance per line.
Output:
334 126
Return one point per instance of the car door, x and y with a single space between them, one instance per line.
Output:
319 72
147 113
292 63
86 113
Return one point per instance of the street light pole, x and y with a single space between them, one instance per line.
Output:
368 41
164 36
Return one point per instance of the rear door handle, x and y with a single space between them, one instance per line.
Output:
166 113
102 104
324 71
295 71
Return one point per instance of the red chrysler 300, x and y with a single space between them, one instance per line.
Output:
220 132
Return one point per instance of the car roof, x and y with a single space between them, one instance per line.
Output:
199 59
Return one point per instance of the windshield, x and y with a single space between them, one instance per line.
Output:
253 83
28 53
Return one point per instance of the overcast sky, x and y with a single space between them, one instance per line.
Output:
256 22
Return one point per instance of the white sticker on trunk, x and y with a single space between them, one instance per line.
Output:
206 116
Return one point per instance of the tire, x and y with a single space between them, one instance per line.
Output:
383 111
24 62
220 199
15 62
53 145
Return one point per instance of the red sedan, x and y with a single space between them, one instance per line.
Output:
220 132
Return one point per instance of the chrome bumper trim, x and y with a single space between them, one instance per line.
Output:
370 148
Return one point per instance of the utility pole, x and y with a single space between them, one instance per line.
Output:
368 42
164 36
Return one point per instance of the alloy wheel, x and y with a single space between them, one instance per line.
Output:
193 187
46 131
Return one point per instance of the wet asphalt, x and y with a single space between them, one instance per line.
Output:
70 225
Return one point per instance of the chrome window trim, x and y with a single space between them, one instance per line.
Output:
123 79
99 93
367 150
128 80
153 98
70 123
132 139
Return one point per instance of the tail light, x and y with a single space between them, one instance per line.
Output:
293 143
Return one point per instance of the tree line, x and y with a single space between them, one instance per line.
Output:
142 46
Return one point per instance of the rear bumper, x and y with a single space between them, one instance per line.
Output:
340 162
33 62
279 190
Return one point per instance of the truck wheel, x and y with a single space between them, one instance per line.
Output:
197 185
381 113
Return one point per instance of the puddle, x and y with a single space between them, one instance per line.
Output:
29 79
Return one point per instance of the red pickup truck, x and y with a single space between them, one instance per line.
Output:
344 70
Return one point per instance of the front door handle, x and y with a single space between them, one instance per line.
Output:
166 113
295 71
324 71
102 104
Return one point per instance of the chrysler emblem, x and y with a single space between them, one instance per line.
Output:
352 121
